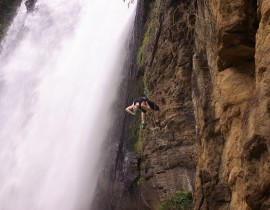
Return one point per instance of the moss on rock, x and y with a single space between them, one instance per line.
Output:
180 201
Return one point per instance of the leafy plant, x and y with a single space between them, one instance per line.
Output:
180 201
146 90
140 182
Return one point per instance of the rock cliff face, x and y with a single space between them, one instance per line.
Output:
206 65
143 177
7 12
231 95
168 153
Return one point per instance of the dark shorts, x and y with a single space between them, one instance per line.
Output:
153 106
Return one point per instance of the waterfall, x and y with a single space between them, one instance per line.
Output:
59 74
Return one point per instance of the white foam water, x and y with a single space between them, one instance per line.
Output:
59 74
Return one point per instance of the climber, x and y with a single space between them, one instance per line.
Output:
144 104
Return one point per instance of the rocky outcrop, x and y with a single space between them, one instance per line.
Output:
205 63
209 76
231 110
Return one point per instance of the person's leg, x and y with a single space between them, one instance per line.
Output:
143 117
154 108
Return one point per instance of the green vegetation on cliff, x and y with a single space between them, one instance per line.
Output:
180 201
145 40
146 36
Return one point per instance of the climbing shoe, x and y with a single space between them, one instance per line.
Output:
157 123
143 125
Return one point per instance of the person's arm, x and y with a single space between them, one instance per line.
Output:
129 110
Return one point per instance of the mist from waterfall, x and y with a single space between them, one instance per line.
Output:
59 74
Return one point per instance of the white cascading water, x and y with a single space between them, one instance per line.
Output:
59 76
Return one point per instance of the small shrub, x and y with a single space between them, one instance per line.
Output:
145 91
180 201
140 182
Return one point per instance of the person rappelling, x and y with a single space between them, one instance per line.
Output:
143 104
